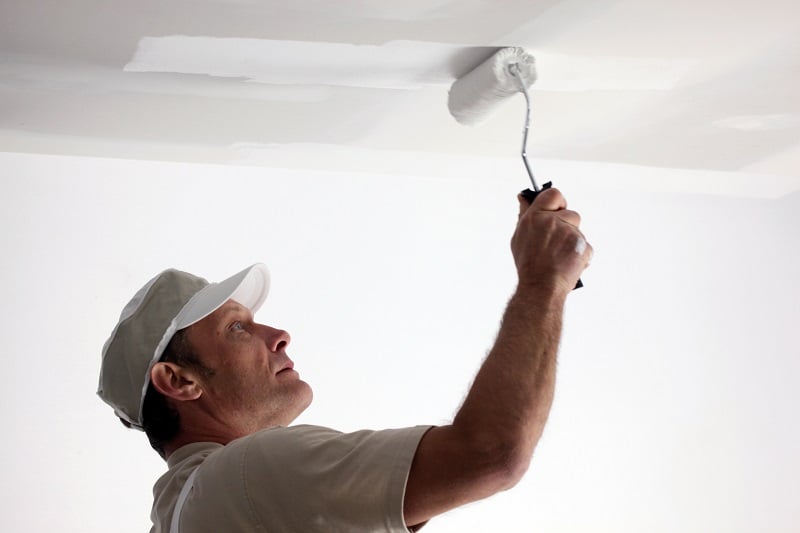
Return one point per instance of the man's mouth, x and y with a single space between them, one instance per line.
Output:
288 366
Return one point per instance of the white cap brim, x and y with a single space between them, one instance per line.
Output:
249 288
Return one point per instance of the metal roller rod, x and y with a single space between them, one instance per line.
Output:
514 70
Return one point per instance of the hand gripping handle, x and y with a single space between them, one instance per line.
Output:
531 196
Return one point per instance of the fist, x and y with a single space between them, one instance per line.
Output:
548 247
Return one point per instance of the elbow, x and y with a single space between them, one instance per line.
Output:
513 467
503 465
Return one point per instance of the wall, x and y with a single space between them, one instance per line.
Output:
676 398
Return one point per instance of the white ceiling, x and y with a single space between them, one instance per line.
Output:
708 85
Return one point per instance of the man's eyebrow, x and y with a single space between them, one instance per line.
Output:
234 308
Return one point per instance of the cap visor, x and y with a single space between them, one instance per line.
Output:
249 287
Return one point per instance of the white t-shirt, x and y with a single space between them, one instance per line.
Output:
296 479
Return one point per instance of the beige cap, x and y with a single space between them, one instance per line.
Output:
170 301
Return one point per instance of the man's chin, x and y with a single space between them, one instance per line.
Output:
302 400
309 397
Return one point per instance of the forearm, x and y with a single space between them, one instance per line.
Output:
508 404
489 445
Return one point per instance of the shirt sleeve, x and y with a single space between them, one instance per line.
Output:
311 478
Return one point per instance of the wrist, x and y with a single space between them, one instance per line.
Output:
545 292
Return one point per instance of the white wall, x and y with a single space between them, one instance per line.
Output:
677 393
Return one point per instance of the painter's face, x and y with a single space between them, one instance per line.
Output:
253 384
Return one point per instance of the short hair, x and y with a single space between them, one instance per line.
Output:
161 421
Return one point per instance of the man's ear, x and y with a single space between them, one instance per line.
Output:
175 381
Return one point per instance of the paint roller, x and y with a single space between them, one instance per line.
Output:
479 92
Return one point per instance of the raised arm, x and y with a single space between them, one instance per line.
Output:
489 445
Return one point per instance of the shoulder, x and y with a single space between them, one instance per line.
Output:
320 443
308 436
307 451
288 476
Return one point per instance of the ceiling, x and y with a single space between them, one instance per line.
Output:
360 85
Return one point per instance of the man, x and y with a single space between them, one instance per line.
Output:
216 392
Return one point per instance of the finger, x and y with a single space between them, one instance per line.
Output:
585 250
550 200
581 245
570 217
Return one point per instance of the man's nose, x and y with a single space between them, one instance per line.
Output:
276 339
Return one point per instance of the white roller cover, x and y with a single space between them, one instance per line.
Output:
475 95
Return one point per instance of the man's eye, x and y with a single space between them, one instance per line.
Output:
237 325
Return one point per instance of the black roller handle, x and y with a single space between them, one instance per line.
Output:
531 196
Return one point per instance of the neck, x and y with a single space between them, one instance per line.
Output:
198 427
195 427
183 439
